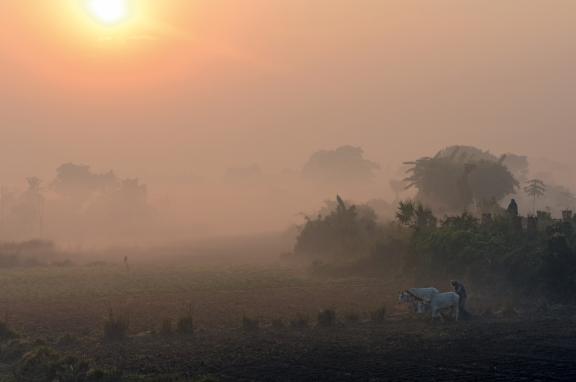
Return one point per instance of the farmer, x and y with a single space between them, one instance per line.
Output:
512 208
461 291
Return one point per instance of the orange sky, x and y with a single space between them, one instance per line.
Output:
198 86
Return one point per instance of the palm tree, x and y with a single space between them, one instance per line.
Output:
406 212
535 188
415 215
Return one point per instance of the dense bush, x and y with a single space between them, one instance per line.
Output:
499 250
458 176
345 231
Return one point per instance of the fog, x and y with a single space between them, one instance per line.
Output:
218 107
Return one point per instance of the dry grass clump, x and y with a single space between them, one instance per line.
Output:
300 322
379 315
5 332
116 327
185 325
352 317
167 328
327 318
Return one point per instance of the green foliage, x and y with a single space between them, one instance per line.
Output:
497 254
535 255
5 332
415 215
459 176
535 188
344 232
44 364
345 164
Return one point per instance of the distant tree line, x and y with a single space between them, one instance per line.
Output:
78 202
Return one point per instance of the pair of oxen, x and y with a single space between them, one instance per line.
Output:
424 300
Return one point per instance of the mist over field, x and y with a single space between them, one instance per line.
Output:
81 206
287 190
220 129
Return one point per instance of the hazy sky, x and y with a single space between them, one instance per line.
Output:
196 86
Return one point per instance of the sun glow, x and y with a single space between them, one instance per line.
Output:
109 12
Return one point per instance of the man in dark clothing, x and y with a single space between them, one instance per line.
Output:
512 208
461 291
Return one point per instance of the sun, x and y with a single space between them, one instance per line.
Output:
109 12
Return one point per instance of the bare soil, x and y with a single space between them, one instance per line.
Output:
51 304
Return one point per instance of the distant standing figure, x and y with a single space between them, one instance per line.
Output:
461 291
512 208
126 263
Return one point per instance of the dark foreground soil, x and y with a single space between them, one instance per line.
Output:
530 346
504 350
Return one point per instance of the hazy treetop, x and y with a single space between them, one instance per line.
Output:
343 164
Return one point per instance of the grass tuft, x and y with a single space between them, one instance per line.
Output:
5 332
352 317
379 315
300 322
327 318
116 328
167 328
185 325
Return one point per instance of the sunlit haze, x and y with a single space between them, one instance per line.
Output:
177 92
108 11
287 190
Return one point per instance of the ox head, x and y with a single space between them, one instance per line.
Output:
405 298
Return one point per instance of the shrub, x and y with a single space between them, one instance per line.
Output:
115 328
344 231
13 349
379 315
5 332
101 375
185 325
167 328
68 340
45 364
300 322
327 318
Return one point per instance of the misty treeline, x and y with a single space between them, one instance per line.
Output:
534 254
456 226
462 178
77 203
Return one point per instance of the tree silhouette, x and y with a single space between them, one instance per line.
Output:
340 166
535 188
455 178
415 215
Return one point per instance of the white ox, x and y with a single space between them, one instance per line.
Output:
418 298
438 302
